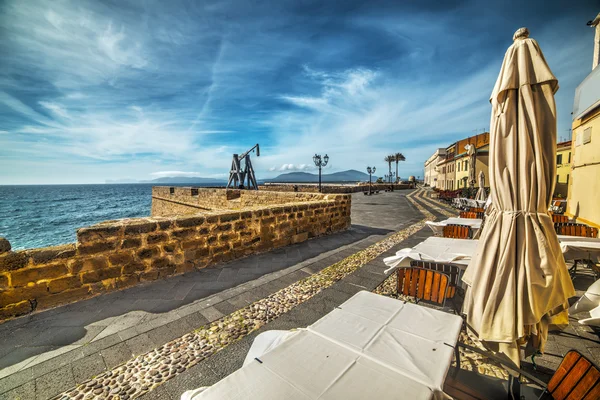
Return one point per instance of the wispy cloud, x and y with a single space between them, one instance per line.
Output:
95 90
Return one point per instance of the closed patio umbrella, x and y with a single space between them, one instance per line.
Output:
481 195
518 281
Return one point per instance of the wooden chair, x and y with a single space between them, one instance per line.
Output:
458 231
423 285
559 219
574 229
452 271
576 378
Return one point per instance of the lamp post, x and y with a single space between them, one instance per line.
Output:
371 171
320 163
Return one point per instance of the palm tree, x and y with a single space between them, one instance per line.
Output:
390 159
398 157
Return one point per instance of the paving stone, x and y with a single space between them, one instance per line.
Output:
170 331
140 344
51 384
14 380
88 367
23 392
116 355
211 313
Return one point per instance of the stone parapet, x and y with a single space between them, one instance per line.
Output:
117 254
313 188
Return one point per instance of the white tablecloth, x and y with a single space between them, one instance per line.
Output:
580 248
435 249
462 202
438 227
370 347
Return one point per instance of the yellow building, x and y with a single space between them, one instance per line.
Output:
583 201
563 169
462 167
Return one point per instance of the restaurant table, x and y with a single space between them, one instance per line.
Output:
580 248
438 227
371 346
435 249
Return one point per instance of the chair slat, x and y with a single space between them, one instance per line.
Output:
585 384
435 287
594 393
428 282
563 369
421 287
443 287
571 379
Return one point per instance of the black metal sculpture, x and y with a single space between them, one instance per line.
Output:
237 175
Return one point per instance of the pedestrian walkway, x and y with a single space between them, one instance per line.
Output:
52 351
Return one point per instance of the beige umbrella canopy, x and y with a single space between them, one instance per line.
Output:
518 280
481 195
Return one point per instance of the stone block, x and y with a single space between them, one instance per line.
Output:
14 310
301 237
64 283
165 224
130 243
87 264
99 232
212 219
100 274
17 295
13 260
127 281
169 247
161 262
67 296
183 233
149 275
3 281
97 247
133 267
133 228
189 222
120 258
48 254
229 217
4 245
157 237
193 244
24 276
149 252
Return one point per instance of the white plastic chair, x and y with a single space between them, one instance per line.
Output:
590 301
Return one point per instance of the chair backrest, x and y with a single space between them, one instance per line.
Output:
472 214
560 219
575 378
458 231
423 284
452 271
476 209
573 229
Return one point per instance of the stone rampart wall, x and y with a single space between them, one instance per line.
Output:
313 188
119 254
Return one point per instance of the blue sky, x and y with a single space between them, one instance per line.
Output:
97 90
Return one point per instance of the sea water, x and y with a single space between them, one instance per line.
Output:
49 215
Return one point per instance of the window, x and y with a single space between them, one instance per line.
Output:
567 179
587 135
458 167
559 159
557 179
569 162
466 165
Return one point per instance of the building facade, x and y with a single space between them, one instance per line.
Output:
563 169
431 171
583 200
462 161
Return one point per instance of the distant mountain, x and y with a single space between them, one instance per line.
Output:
336 177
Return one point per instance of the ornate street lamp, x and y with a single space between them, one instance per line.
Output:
371 171
320 163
